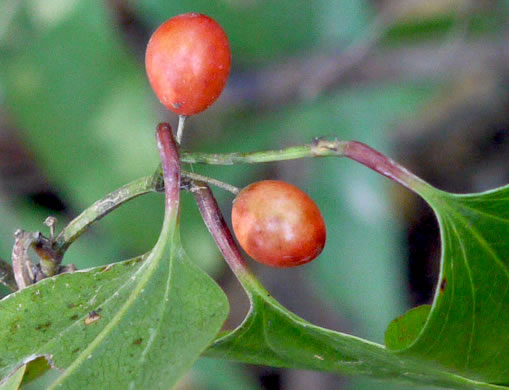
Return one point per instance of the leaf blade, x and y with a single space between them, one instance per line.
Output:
85 320
467 330
271 335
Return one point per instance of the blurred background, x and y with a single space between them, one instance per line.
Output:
424 81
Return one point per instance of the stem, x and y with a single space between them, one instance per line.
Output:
101 208
319 148
171 170
170 163
353 150
110 202
51 222
225 186
7 276
222 235
180 128
23 268
382 164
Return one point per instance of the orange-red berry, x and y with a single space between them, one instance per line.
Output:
277 224
188 61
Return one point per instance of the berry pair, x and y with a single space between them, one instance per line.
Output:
188 60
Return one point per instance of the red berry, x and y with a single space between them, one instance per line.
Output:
188 61
277 224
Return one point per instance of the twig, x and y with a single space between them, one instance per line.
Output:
319 148
282 83
196 177
349 56
354 150
23 268
103 207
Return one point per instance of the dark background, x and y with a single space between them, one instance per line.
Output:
424 81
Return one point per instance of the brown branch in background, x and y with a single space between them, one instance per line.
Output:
280 83
459 140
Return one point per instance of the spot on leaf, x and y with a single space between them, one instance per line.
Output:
92 317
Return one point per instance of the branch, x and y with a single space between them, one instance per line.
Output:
353 150
319 148
284 82
103 207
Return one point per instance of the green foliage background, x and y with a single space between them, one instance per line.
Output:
74 88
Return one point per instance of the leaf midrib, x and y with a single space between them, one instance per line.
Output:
152 261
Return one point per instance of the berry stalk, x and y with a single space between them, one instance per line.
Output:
190 176
180 128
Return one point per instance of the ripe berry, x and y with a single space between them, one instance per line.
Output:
277 224
188 61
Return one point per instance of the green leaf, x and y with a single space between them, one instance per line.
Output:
364 280
35 369
467 330
14 381
461 342
140 323
404 330
76 93
271 335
